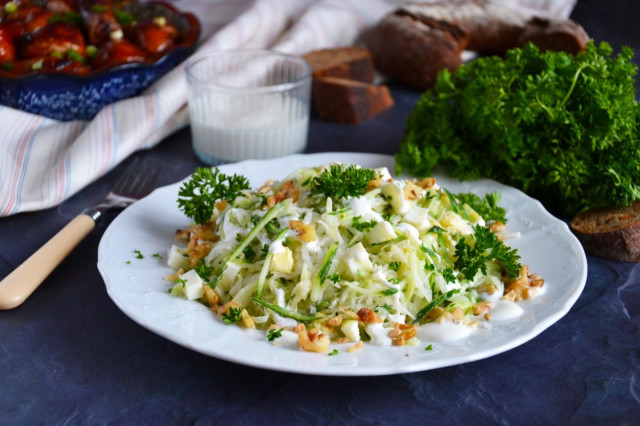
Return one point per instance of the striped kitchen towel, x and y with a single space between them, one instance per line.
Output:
44 161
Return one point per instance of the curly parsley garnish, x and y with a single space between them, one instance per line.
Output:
486 206
204 271
564 128
232 315
340 181
274 334
198 195
487 248
362 226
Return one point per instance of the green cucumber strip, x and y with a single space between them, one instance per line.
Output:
273 212
326 264
285 312
435 302
267 262
391 241
457 209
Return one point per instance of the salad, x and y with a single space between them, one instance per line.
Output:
341 254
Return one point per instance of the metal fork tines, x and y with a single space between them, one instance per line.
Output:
136 182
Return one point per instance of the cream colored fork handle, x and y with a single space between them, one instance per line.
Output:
20 283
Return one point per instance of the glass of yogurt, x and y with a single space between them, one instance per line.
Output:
248 103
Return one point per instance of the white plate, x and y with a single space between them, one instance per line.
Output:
138 288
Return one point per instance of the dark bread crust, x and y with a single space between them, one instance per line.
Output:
414 43
348 101
398 44
610 233
352 62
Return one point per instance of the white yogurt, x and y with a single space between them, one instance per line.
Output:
504 310
444 332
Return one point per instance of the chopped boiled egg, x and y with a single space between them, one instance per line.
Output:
355 259
383 231
192 285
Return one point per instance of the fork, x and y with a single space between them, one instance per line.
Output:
136 182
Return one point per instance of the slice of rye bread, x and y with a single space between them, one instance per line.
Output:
352 62
610 233
348 101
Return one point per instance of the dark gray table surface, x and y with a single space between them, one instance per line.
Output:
68 355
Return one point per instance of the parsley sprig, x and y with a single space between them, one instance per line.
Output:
274 334
564 128
232 315
486 206
487 248
198 195
340 181
359 225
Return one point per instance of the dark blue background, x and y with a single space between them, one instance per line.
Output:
68 355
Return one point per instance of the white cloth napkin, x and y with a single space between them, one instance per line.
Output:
44 161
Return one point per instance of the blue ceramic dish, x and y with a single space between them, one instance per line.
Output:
68 97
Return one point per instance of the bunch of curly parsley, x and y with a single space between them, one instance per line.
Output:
563 128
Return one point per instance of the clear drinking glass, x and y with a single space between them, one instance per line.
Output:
248 103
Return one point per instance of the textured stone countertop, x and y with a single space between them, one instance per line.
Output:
68 355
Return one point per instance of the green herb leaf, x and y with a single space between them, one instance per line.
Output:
395 265
486 206
340 181
448 275
333 352
564 128
232 315
362 226
205 272
487 248
274 334
389 291
198 195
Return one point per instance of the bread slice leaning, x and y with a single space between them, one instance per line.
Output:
610 233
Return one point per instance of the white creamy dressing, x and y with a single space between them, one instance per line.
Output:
277 247
287 339
503 310
362 206
229 230
379 335
445 332
313 246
